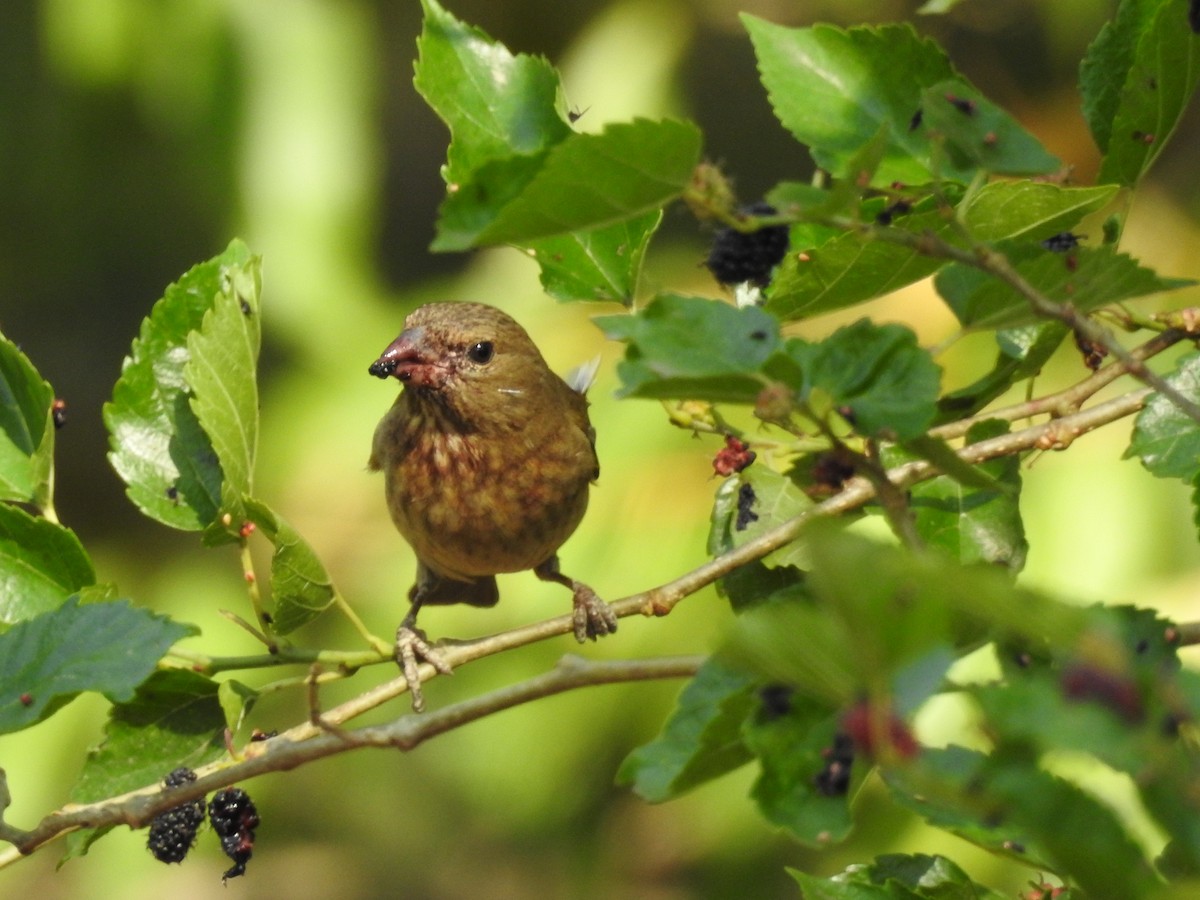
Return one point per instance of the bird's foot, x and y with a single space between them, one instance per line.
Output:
412 648
591 616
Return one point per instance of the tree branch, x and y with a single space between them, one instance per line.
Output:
137 808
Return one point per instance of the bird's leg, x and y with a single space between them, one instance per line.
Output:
411 647
592 617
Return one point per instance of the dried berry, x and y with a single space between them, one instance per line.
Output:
738 256
173 832
733 457
234 818
58 412
834 779
745 507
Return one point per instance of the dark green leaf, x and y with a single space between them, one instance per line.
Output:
601 264
691 348
26 429
1087 278
702 739
972 524
222 359
834 90
977 134
792 750
876 375
916 875
1137 79
496 105
41 564
1166 439
173 720
158 446
105 647
300 586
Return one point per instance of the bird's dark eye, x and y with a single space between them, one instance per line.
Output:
481 353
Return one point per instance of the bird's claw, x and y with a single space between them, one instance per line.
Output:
591 616
412 648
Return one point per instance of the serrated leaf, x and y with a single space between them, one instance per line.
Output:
221 367
701 740
106 647
973 524
693 349
834 89
496 105
158 447
26 429
600 264
300 587
173 720
877 375
1137 79
977 134
898 877
586 181
1086 277
41 564
814 887
1166 439
765 500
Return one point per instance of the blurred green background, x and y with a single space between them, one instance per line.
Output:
138 136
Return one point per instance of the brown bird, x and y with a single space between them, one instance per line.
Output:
487 457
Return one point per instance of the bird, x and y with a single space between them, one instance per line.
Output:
488 457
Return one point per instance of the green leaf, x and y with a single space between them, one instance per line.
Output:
896 876
1030 209
26 429
105 647
223 357
158 447
599 264
702 739
1087 278
1137 79
300 586
41 564
792 750
173 720
496 104
1166 439
765 500
877 375
970 524
977 134
236 700
587 181
692 348
834 89
848 269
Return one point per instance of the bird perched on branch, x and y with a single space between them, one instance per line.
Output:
487 457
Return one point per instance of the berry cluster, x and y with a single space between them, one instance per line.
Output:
173 832
231 813
738 256
234 818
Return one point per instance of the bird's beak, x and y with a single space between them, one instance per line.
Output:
406 358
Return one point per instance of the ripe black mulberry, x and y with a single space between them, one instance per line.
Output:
234 818
173 832
738 256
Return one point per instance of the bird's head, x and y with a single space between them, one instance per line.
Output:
469 357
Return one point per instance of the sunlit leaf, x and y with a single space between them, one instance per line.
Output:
41 564
26 428
300 586
600 264
1165 438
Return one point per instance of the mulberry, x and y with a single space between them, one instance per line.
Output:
738 256
234 818
173 832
